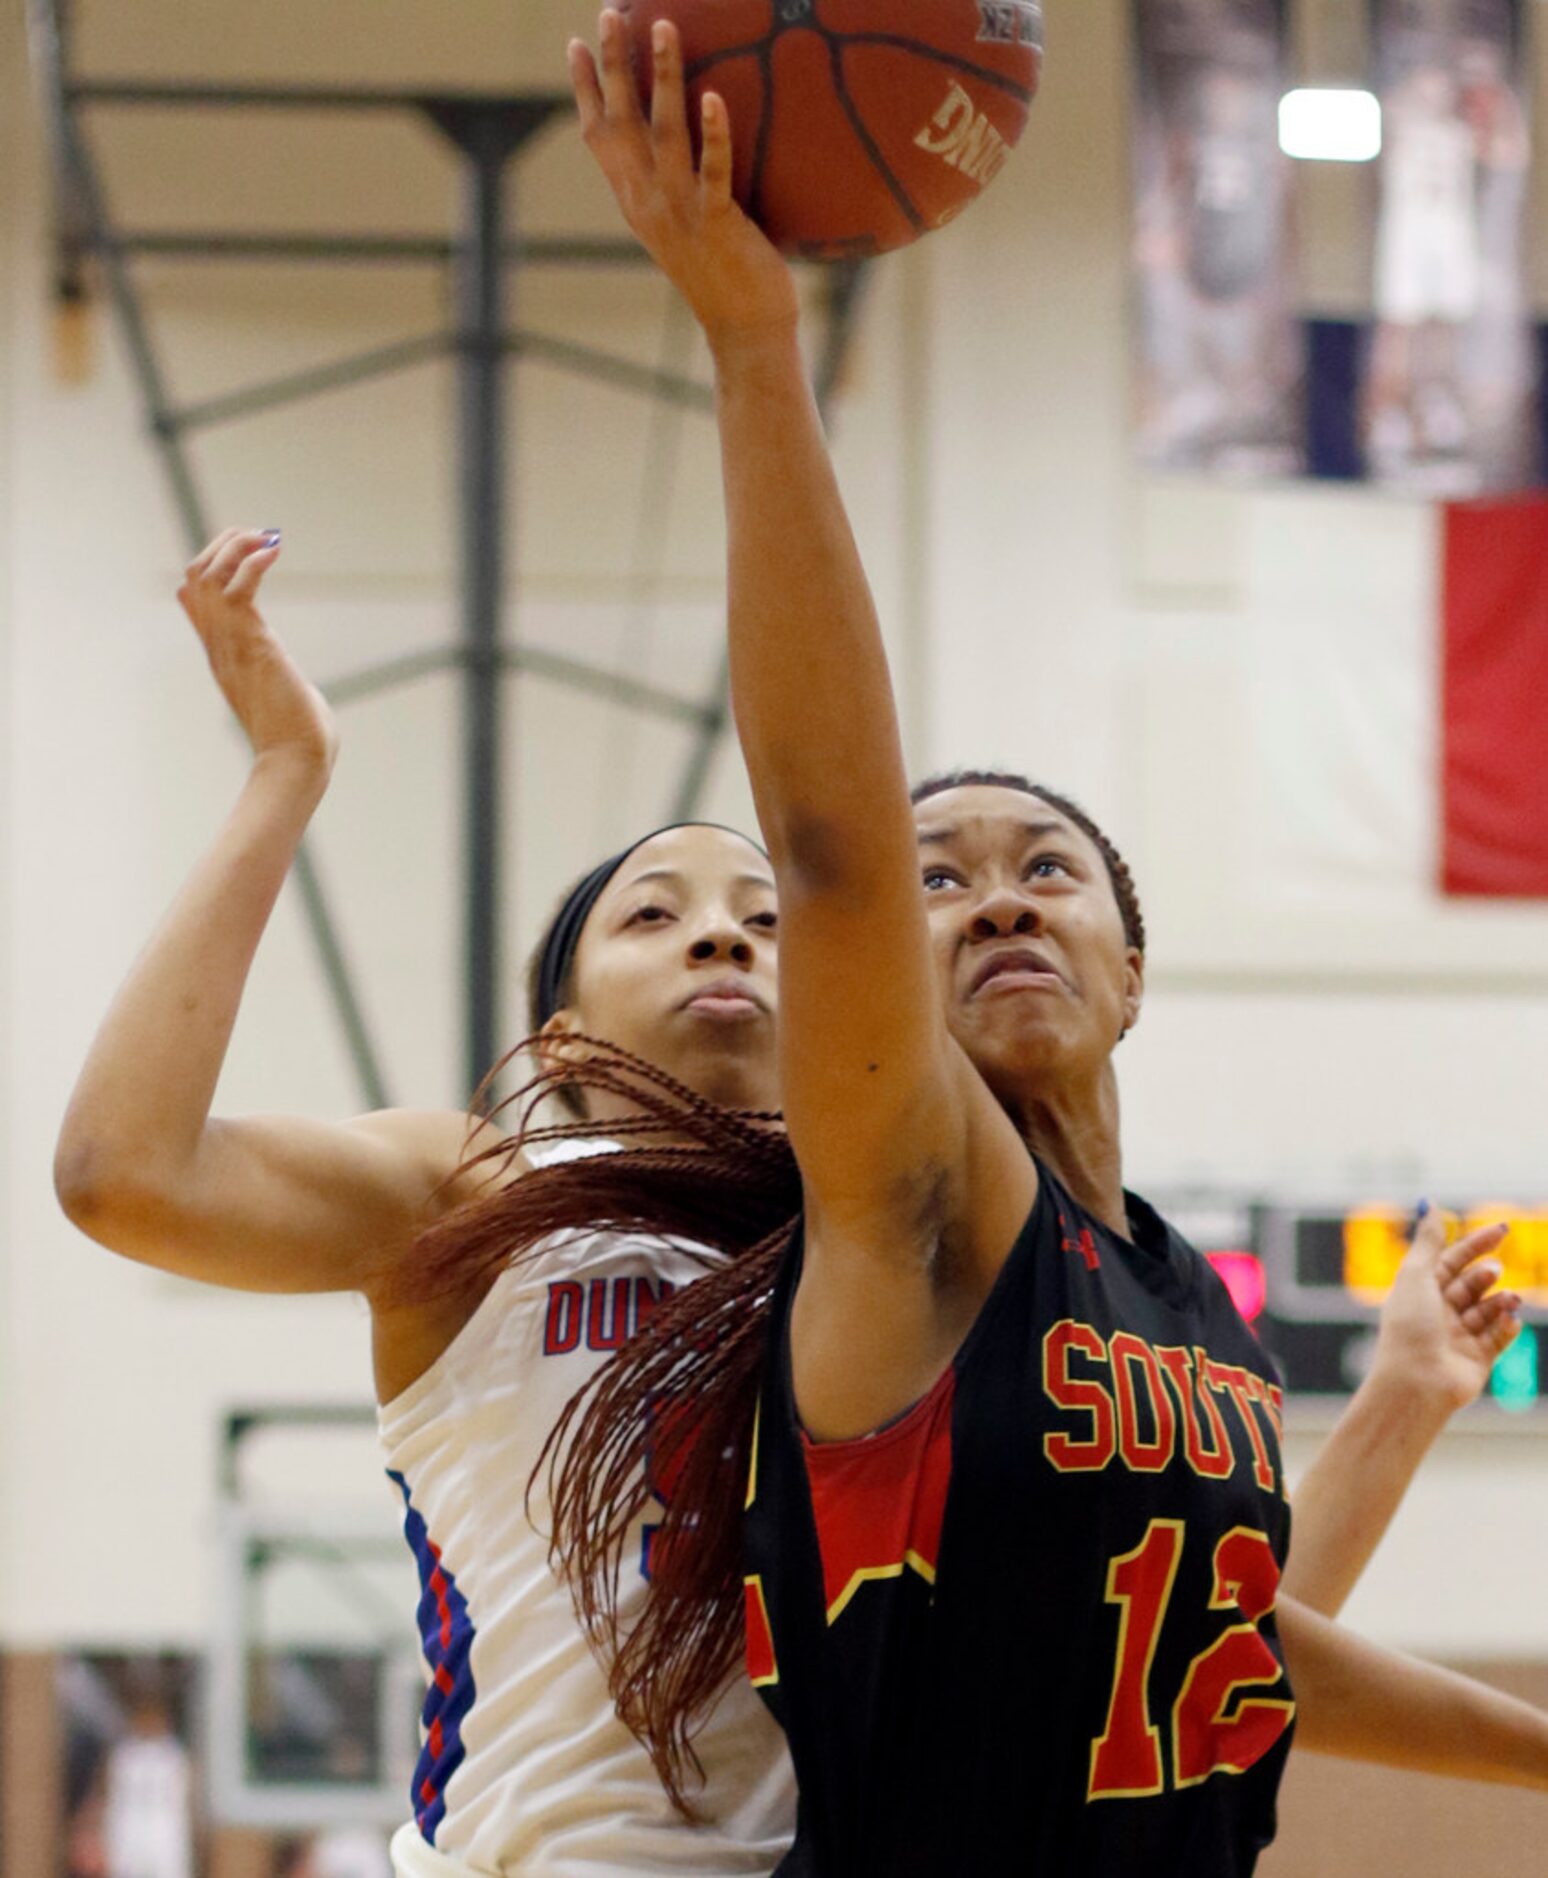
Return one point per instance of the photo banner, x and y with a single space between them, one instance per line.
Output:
1451 388
1220 352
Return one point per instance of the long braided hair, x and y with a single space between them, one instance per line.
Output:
669 1416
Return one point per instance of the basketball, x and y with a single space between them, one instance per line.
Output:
857 125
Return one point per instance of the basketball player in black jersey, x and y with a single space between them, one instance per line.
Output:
289 1203
1016 1512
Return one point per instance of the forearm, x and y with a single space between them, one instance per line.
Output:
1360 1702
810 684
143 1097
1348 1496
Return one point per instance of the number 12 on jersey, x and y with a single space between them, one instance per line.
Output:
1216 1727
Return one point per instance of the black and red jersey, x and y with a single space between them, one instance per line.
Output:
1028 1627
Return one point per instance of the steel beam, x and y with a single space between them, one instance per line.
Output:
85 189
487 135
845 289
337 248
295 386
603 366
487 132
139 94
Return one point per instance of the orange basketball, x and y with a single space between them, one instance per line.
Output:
858 125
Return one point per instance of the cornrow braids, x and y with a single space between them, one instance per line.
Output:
682 1137
669 1416
1124 890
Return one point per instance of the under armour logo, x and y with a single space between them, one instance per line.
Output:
1084 1243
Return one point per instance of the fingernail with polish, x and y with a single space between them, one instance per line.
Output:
271 537
1422 1208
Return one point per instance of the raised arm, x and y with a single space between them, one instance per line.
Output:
1441 1329
882 1107
869 1074
810 686
262 1203
1363 1703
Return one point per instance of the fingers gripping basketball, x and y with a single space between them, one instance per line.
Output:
857 125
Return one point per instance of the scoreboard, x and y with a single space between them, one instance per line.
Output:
1311 1280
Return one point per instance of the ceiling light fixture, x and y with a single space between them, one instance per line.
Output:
1326 125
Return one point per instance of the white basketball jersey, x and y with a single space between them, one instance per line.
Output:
147 1820
1427 251
525 1766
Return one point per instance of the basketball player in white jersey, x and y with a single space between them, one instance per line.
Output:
525 1766
668 951
1428 275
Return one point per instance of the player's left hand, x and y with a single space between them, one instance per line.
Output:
1443 1324
724 266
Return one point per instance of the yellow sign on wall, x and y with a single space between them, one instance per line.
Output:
1376 1243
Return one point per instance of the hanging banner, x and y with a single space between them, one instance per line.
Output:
1451 389
1494 693
1219 350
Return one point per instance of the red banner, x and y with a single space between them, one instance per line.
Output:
1494 711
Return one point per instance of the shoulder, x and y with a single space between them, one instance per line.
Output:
457 1156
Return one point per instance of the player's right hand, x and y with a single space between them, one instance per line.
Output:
1445 1320
721 262
281 712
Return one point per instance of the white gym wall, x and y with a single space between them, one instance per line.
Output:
1188 661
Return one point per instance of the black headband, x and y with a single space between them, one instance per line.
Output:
563 938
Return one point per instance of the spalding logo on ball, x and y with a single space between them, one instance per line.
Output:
858 125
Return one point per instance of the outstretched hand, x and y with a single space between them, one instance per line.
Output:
1443 1324
275 705
724 266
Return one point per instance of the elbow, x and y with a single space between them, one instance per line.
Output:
1323 1672
98 1196
821 855
1313 1584
84 1196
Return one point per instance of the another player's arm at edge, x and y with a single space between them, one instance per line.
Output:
265 1203
1442 1327
1363 1703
